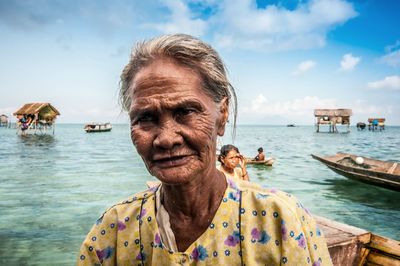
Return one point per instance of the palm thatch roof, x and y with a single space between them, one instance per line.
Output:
2 115
42 111
333 112
35 108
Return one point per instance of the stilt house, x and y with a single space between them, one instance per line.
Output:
376 124
332 117
36 118
3 121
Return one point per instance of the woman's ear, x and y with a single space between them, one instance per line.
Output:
223 114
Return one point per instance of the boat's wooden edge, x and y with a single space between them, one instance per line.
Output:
378 259
343 227
386 245
357 246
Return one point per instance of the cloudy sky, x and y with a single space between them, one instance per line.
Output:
285 58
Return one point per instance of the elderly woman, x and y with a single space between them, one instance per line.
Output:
230 158
178 96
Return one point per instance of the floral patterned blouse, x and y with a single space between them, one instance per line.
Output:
252 226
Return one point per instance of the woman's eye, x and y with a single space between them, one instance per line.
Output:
185 111
143 118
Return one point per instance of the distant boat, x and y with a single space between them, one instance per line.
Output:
96 127
266 162
291 125
361 125
367 170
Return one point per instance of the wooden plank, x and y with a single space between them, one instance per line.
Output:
363 257
380 259
345 242
391 170
386 245
362 234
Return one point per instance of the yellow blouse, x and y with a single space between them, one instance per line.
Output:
237 172
252 226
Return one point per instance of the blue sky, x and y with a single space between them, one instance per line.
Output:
284 58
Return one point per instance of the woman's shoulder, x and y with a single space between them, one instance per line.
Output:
130 205
265 195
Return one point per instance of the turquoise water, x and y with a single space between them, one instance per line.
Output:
53 188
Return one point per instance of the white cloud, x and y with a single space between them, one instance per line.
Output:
392 56
301 110
349 62
389 83
181 20
297 107
278 28
392 59
303 67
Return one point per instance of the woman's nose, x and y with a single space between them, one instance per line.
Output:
168 136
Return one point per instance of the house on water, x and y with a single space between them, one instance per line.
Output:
3 120
332 117
376 124
36 118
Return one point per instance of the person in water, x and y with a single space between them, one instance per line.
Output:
178 96
230 158
260 156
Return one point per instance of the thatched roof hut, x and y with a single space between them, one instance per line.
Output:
37 116
332 117
43 111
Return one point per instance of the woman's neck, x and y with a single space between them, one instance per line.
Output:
227 169
197 198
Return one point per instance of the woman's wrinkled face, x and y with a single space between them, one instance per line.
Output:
232 159
174 123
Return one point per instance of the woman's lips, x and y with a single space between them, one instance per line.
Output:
172 161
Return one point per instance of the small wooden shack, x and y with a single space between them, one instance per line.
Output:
376 124
332 117
3 120
36 118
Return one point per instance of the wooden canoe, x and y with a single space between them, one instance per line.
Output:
266 162
371 171
349 245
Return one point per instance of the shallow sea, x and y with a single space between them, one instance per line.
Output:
53 188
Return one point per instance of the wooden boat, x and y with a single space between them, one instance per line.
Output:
95 127
266 162
371 171
349 245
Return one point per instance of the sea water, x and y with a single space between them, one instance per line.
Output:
53 188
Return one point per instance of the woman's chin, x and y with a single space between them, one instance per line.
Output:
173 176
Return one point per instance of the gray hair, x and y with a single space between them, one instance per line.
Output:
187 51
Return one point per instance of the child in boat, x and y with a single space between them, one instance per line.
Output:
260 156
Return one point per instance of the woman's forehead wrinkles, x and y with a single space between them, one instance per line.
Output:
155 83
161 100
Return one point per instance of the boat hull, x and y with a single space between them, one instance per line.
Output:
267 162
378 178
97 130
